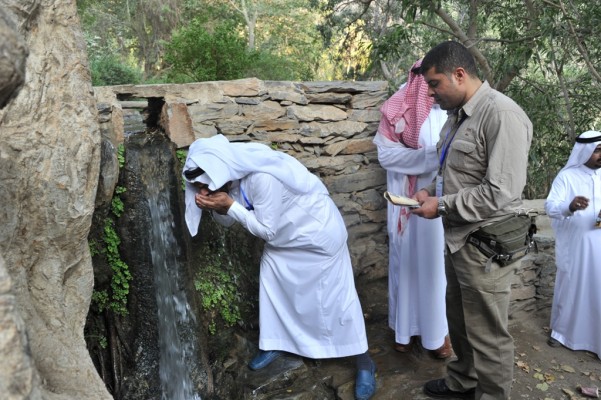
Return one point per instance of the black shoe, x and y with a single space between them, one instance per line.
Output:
439 388
553 342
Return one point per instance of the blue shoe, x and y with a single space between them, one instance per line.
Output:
365 385
263 359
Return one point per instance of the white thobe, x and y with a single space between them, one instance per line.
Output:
416 276
576 309
308 304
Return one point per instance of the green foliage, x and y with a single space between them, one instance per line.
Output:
203 51
121 155
101 340
270 67
101 299
217 283
196 54
110 70
288 43
94 248
129 30
121 275
181 156
552 140
117 206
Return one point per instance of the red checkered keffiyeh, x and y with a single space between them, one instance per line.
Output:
402 117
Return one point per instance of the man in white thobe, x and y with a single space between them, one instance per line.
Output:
574 206
406 140
308 304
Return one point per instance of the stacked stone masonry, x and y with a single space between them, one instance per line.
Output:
328 126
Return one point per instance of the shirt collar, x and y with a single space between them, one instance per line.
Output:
469 107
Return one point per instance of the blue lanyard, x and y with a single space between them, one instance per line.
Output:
447 142
249 206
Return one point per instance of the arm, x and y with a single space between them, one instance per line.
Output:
265 194
223 220
560 202
395 157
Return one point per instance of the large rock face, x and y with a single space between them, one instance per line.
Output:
13 54
49 165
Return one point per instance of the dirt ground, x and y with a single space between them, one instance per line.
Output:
541 372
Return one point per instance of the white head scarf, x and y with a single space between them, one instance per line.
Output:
583 151
224 162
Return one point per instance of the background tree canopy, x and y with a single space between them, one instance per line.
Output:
544 54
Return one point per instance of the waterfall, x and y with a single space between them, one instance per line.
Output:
173 308
162 311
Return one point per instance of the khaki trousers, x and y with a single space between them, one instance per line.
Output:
477 313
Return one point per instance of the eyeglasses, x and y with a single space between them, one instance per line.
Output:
193 173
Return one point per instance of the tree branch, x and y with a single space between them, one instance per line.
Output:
469 43
579 44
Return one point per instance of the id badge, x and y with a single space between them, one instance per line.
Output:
439 182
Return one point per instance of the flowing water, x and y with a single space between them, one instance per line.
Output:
174 313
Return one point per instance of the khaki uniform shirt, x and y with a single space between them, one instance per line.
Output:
484 171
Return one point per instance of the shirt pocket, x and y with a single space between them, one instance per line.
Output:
463 155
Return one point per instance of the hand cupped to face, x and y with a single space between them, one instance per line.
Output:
217 200
203 188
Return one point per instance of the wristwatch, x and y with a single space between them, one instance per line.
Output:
442 210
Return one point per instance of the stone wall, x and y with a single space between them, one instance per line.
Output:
329 127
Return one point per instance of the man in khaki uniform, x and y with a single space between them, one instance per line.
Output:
483 154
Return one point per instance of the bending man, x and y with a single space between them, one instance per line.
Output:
308 304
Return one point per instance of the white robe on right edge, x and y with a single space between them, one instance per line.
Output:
576 310
416 273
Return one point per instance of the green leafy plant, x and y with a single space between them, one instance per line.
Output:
218 287
100 339
116 298
196 54
121 155
94 247
181 156
109 70
121 275
101 299
117 206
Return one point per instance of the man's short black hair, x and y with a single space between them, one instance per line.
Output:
447 56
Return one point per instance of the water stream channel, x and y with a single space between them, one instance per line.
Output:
163 321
